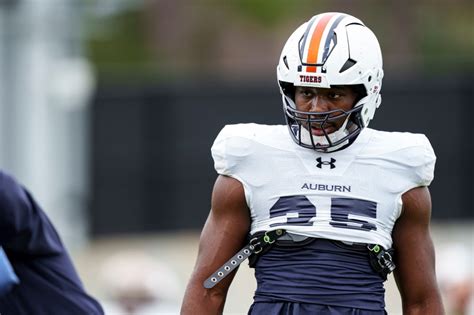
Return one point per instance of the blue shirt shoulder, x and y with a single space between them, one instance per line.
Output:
49 283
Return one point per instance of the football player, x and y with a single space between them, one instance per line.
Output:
324 207
37 275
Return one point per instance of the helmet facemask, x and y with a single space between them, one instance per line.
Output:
300 124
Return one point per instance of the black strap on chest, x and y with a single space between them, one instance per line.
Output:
381 260
256 246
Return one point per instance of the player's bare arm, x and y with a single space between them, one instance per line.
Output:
415 273
223 235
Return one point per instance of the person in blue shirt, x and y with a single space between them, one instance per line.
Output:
43 279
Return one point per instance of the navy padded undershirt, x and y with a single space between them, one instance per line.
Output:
323 272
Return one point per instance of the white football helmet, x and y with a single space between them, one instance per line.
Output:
331 49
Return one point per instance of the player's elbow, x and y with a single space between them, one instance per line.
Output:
428 305
199 300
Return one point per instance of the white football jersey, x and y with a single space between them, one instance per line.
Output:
352 195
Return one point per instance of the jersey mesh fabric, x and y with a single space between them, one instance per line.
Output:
324 272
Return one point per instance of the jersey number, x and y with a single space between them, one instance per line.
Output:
300 211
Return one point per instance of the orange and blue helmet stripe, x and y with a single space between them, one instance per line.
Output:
316 42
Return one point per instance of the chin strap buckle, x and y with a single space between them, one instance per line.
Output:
256 245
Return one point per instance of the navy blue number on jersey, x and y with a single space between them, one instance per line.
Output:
299 204
299 211
341 208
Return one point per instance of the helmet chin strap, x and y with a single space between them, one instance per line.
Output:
322 140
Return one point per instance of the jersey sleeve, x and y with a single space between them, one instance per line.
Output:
218 151
425 170
419 160
405 160
231 147
24 227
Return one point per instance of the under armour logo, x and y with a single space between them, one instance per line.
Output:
321 163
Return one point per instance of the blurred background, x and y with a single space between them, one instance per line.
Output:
108 110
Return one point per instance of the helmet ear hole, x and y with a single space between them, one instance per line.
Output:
369 78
